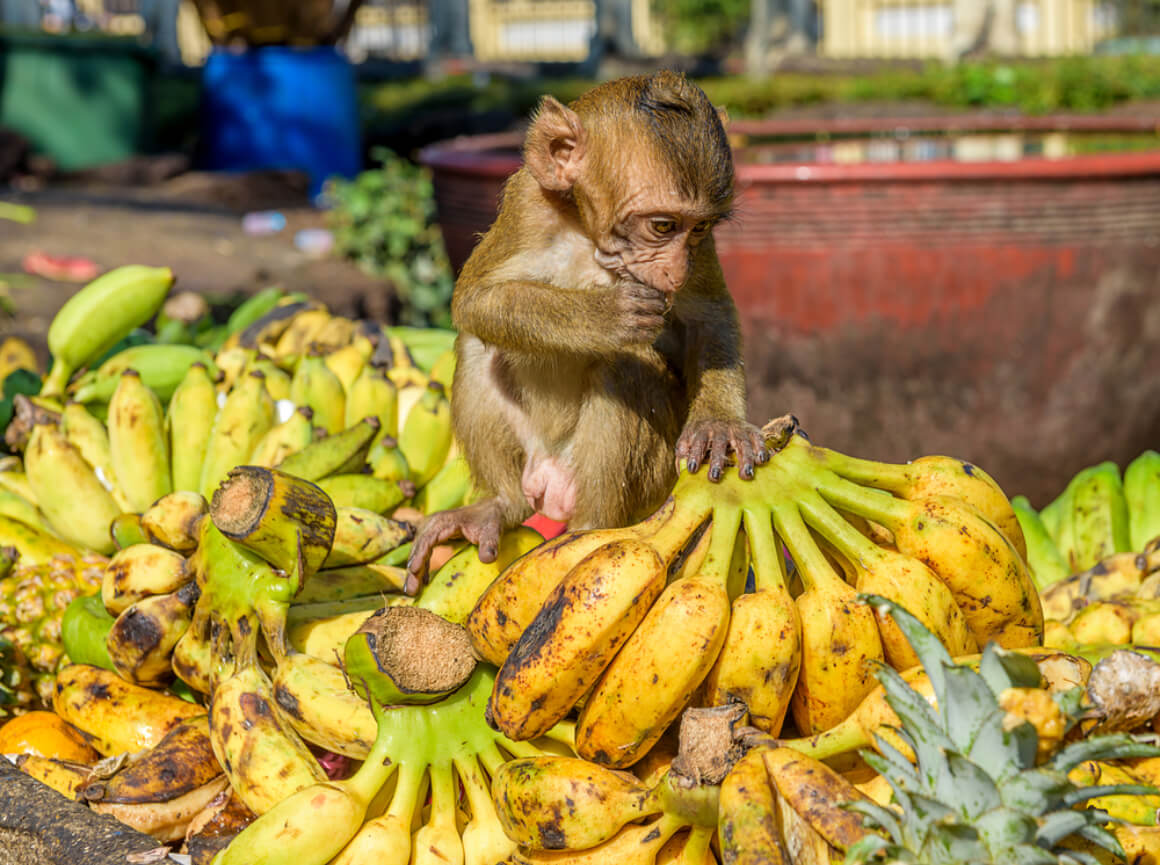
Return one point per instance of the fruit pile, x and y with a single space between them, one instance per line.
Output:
837 659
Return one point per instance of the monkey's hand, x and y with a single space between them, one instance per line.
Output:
712 440
640 312
480 524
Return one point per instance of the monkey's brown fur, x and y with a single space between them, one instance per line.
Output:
596 330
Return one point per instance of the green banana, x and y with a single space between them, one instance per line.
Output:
426 434
99 316
1142 492
288 437
450 488
70 495
341 452
137 442
19 508
374 395
188 421
365 491
1046 562
1099 516
387 461
162 368
253 308
247 414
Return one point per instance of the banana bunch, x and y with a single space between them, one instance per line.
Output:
632 625
1099 514
16 353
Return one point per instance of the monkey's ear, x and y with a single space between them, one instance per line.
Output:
555 146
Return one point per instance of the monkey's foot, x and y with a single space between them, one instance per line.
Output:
711 441
480 524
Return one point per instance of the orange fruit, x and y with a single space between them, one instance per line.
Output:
46 734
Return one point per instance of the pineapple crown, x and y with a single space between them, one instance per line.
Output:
974 794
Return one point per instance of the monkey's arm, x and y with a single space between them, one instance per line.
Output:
715 379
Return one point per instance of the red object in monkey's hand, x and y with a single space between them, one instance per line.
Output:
546 527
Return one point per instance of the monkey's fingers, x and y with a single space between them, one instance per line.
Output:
435 530
719 442
749 446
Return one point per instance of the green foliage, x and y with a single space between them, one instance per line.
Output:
384 219
703 26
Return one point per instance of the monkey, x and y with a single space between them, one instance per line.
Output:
596 336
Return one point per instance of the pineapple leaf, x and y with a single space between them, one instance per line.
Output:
1002 828
953 844
968 786
889 761
867 848
1022 671
932 654
1097 834
1111 746
1004 753
971 704
1035 792
920 724
1078 857
876 816
1082 794
1057 825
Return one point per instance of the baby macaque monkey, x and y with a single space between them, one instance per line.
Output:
596 334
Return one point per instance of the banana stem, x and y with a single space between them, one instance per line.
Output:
768 563
718 564
812 564
564 732
845 737
850 542
688 512
406 798
885 476
841 493
378 766
443 793
491 758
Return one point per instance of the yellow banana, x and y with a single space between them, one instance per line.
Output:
484 839
173 520
387 461
16 354
1140 809
90 437
137 442
323 637
34 545
365 491
315 699
140 571
351 581
188 421
246 416
437 841
142 638
284 439
277 379
295 338
653 677
66 777
232 364
759 662
747 816
69 494
19 508
386 839
265 759
372 394
363 536
315 385
15 480
450 488
1104 622
346 362
425 435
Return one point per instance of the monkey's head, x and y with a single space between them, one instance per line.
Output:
648 166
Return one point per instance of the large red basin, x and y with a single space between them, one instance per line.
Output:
1007 312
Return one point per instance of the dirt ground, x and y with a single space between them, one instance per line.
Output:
192 223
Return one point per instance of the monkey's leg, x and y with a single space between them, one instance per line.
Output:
480 523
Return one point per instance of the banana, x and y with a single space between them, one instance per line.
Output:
600 802
840 639
342 452
747 815
142 638
15 480
314 698
351 581
346 362
985 573
99 316
372 394
265 330
189 418
118 716
437 841
336 332
365 491
16 353
277 379
138 443
760 660
192 658
1140 808
173 520
484 839
324 636
246 416
296 336
256 309
161 367
265 759
362 536
665 659
633 845
453 590
900 578
284 439
140 571
66 777
1098 515
90 437
32 544
1121 575
582 624
315 385
233 364
1104 622
1044 560
69 494
1142 494
426 434
443 369
386 839
513 599
930 476
450 488
19 508
387 461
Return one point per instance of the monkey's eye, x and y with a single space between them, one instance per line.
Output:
664 226
702 227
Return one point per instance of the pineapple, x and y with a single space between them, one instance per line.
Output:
32 600
981 790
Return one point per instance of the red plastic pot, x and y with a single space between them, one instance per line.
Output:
1004 312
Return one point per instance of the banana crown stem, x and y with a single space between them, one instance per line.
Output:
718 564
815 570
765 550
687 512
850 542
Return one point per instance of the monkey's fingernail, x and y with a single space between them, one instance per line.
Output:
715 473
747 471
693 465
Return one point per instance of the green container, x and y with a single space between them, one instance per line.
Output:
81 100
